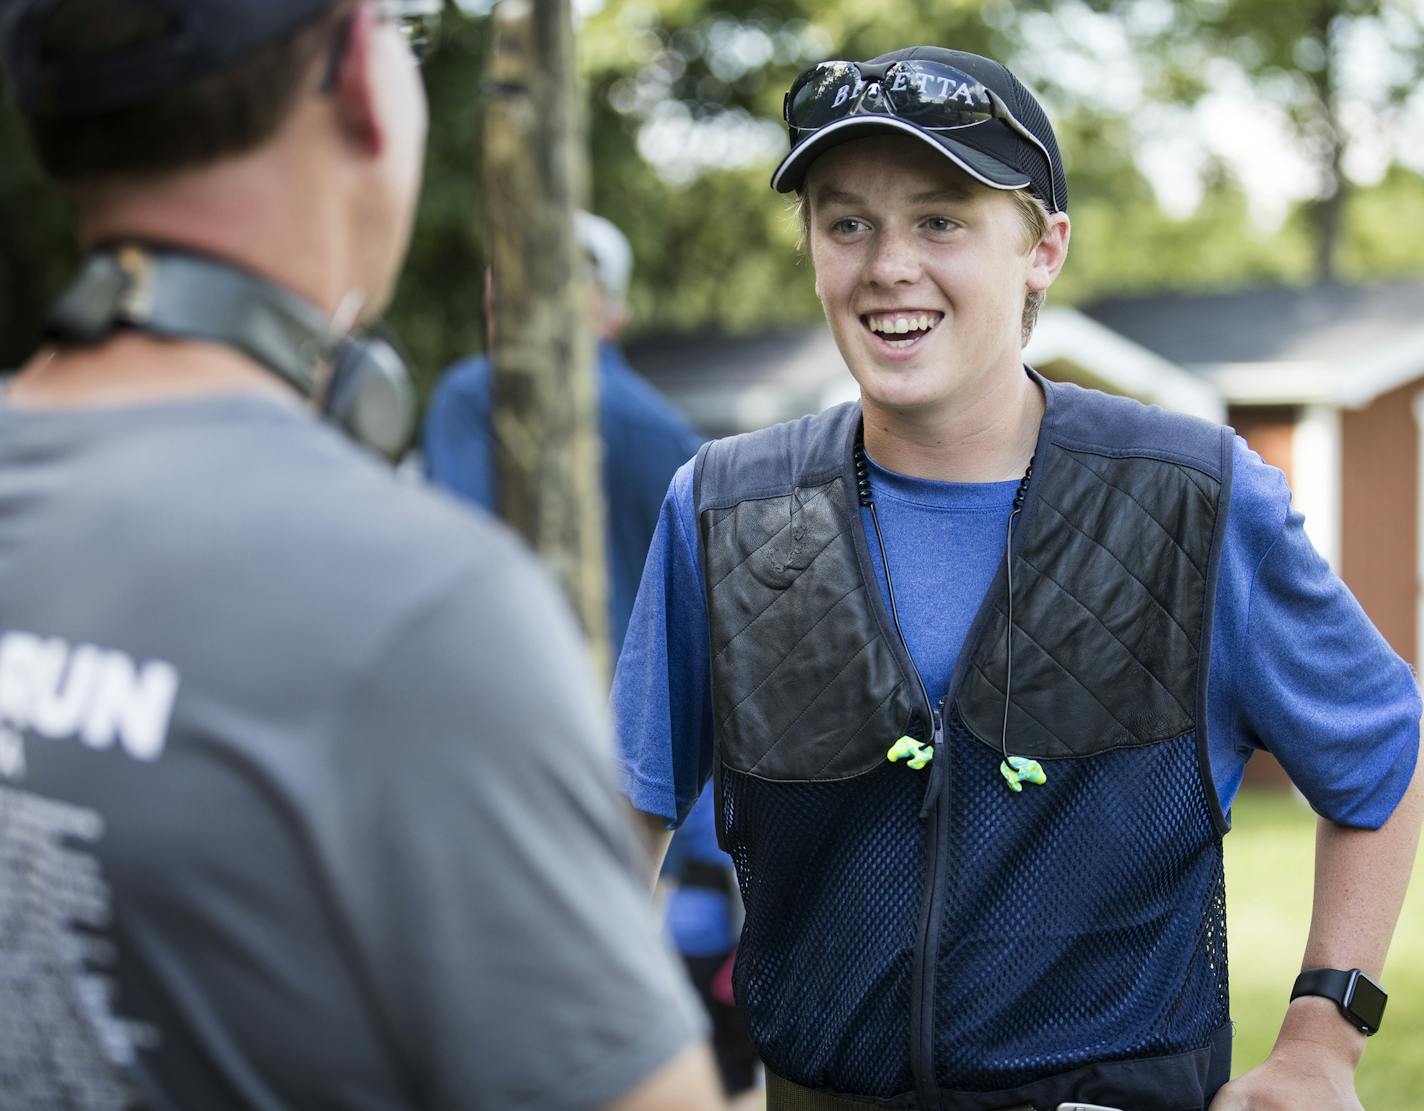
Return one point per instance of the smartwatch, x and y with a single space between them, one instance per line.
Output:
1359 998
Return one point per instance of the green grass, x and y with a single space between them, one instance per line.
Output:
1269 873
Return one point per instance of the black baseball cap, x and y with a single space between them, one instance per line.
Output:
1007 144
198 38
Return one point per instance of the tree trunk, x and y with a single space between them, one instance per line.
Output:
545 423
1328 212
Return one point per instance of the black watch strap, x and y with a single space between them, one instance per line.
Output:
1359 998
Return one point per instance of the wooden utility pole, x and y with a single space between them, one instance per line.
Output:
547 449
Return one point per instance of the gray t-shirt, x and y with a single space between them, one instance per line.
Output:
305 797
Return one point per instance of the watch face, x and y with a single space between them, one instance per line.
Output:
1365 1001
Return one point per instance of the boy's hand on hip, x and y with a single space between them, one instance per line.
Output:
1297 1074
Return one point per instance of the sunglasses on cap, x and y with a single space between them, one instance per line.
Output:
931 95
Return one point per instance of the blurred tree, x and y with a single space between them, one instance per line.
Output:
1383 239
37 247
691 92
438 312
1335 68
544 419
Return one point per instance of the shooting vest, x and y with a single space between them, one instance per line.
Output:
928 938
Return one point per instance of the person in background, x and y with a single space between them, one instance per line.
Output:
306 797
645 439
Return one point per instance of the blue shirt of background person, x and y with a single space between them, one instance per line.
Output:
645 439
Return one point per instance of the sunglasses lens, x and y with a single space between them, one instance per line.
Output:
823 94
927 93
935 95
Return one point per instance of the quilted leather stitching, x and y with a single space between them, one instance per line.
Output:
1104 548
1076 681
776 596
1200 482
857 588
979 670
875 713
1101 624
807 709
1200 570
716 524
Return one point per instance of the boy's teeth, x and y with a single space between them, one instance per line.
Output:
900 325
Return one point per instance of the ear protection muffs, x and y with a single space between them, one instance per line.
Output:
360 383
369 394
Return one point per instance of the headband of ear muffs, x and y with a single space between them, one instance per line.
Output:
366 389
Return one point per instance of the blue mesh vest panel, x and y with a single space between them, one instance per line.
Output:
825 960
1086 923
1046 946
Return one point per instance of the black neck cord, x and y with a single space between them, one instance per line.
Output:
867 501
862 486
1019 499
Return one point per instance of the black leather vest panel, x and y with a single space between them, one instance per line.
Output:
1109 601
807 688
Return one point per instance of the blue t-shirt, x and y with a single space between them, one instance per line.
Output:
1297 669
645 440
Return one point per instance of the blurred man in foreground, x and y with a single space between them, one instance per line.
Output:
304 797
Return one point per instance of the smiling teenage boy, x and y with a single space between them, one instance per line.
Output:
976 663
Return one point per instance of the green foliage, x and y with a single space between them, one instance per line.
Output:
1269 856
36 243
438 311
1303 56
722 251
717 248
1383 222
1127 246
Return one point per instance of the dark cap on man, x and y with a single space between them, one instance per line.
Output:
189 40
968 108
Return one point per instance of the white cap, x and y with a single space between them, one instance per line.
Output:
609 250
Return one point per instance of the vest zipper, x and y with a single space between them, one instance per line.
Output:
937 772
922 989
922 985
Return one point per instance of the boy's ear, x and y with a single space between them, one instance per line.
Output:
1047 256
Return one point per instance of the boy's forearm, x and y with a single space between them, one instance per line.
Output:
1360 880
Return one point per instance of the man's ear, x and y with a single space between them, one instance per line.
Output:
357 104
1047 256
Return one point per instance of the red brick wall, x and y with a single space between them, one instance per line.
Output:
1270 430
1379 524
